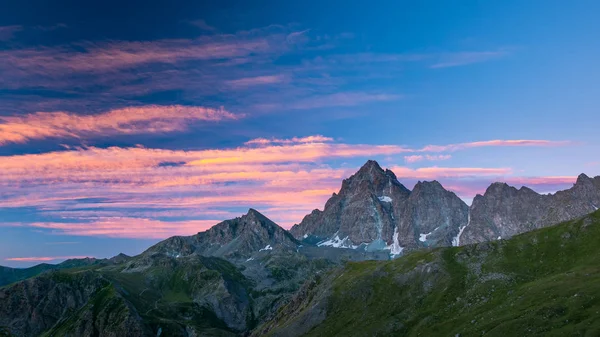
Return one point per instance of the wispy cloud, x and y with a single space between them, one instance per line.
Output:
295 140
45 258
8 32
199 23
345 99
123 192
134 120
257 80
418 158
494 143
454 172
128 228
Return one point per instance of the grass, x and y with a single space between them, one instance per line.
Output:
542 283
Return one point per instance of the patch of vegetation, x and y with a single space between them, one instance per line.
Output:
542 283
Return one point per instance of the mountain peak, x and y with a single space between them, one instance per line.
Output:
252 213
583 178
371 168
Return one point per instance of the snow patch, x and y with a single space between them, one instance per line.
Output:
499 238
423 237
250 259
595 207
385 199
336 242
456 240
305 236
395 248
267 247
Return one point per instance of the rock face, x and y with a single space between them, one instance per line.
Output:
237 238
374 211
504 211
434 213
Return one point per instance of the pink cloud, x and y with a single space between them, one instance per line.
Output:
295 140
493 143
45 258
128 228
440 172
258 80
418 158
109 56
133 120
119 192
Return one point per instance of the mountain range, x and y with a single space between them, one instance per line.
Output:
250 276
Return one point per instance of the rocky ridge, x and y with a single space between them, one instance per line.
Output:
374 211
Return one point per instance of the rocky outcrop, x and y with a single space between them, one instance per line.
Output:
503 211
374 211
431 216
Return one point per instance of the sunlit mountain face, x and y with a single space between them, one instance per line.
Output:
126 123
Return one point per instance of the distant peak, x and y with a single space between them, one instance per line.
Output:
582 178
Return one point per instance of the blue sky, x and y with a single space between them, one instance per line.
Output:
122 123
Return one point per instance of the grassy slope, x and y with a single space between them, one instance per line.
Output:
544 283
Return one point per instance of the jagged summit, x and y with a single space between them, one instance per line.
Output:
373 210
236 238
504 211
583 178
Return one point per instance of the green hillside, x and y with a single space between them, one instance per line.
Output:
544 283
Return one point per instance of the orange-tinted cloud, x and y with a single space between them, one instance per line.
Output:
119 192
45 258
128 228
133 120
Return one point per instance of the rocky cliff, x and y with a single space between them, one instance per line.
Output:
503 211
374 211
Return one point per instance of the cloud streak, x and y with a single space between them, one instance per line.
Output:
125 121
128 228
494 143
139 192
418 158
45 258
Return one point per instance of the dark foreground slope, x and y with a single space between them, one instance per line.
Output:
542 283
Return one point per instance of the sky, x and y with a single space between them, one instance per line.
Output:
124 123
